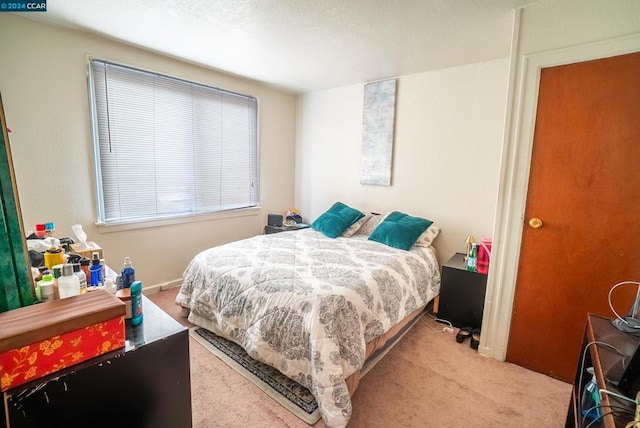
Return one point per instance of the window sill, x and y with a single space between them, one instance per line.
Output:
244 212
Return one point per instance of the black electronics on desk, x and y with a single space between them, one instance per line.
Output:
629 383
274 220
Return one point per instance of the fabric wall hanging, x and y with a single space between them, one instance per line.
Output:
377 132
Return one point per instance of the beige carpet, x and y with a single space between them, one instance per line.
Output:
427 380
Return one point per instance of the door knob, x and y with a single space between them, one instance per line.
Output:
535 223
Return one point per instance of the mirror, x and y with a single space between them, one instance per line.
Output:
16 289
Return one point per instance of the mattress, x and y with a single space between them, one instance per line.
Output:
308 305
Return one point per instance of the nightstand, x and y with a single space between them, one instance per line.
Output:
461 293
277 229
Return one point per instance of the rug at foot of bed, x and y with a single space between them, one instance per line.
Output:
290 394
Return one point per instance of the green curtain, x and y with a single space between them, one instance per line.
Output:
16 289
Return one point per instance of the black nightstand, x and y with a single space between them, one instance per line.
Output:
277 229
461 294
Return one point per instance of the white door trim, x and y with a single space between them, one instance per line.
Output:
514 176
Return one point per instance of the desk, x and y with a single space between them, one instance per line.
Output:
607 367
146 384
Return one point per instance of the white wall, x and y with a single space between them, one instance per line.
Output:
448 124
448 137
551 32
44 91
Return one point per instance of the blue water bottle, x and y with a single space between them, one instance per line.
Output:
128 273
590 404
136 303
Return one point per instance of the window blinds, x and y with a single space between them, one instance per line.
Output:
165 147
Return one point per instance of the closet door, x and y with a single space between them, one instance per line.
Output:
16 289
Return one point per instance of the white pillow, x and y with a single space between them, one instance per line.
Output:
427 237
351 230
373 221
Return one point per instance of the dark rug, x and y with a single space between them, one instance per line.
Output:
290 394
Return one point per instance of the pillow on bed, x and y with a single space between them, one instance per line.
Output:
351 230
336 220
427 237
370 225
400 230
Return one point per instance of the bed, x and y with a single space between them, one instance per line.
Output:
314 307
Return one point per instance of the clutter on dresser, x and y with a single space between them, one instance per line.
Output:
64 268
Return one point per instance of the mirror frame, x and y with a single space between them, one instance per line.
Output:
16 283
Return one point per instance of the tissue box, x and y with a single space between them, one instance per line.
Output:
87 251
41 339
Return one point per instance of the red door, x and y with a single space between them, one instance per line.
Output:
584 187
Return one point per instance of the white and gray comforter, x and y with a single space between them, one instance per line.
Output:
307 304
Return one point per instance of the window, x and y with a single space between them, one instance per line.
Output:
165 147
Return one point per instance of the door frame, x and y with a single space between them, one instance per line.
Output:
517 147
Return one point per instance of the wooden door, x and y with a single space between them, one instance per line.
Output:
584 186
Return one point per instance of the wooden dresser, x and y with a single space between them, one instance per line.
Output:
608 367
145 384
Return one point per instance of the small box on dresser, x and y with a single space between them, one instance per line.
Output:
41 339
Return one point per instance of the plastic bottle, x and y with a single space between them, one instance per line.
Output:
68 283
44 289
103 274
46 292
136 303
57 273
95 271
472 258
110 286
81 276
128 273
85 263
590 404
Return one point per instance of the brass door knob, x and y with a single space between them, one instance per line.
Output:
535 223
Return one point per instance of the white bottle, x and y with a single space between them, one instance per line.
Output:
68 283
110 286
81 276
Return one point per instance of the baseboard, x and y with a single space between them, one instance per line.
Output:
163 286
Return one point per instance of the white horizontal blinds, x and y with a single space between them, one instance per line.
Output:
237 181
208 148
174 147
170 147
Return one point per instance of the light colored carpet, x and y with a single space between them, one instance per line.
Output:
426 380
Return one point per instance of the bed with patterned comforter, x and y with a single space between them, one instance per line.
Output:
307 304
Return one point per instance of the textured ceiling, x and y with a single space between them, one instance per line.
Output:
303 45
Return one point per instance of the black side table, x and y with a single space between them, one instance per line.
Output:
277 229
461 294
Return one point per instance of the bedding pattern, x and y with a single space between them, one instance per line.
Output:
307 304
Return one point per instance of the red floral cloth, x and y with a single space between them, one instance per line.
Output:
22 365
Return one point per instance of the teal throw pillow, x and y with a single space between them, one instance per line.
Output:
400 230
336 220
